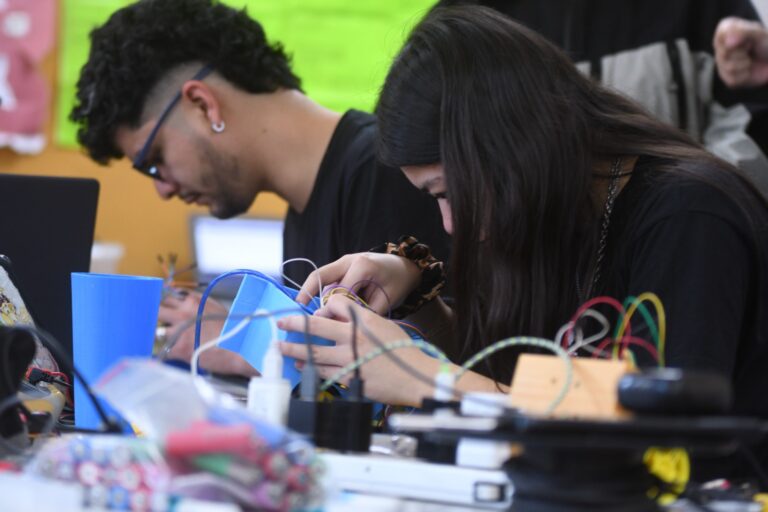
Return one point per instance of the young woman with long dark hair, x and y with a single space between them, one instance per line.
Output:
555 190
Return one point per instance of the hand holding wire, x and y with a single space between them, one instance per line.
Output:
384 380
382 281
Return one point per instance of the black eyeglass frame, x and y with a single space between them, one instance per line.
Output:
140 160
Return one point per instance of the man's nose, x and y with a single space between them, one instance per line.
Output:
166 190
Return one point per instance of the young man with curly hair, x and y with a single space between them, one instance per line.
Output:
194 94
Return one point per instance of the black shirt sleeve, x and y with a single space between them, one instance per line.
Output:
699 265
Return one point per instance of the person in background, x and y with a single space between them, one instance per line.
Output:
741 51
556 190
192 92
660 54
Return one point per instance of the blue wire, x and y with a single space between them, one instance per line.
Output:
215 281
207 292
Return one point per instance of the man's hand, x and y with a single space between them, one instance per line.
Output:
179 315
741 52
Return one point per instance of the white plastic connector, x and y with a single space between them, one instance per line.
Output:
273 362
483 453
445 380
270 394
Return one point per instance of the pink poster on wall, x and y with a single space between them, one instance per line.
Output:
26 36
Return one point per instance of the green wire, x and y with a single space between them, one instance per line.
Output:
393 345
646 316
488 351
532 342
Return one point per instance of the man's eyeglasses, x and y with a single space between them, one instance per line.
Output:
140 161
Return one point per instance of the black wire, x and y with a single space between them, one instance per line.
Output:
308 342
417 374
407 368
66 361
307 338
62 383
70 428
355 353
308 389
356 384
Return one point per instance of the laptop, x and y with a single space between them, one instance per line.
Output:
254 243
46 229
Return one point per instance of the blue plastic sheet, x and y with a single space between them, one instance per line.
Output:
263 292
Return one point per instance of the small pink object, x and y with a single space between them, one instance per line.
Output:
204 437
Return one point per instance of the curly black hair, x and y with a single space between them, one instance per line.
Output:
142 42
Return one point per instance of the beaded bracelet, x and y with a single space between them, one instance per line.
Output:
432 272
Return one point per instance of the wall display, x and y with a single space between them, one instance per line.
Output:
26 36
341 48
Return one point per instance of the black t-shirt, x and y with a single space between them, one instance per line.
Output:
357 203
691 243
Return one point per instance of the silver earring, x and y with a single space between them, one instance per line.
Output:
218 127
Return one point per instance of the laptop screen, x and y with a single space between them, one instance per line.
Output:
46 229
244 242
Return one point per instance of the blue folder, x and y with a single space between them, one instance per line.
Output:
263 292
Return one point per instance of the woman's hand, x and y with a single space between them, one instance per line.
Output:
395 276
384 380
178 315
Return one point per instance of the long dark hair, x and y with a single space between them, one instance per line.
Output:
518 130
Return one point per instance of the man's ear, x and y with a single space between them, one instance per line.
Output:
204 99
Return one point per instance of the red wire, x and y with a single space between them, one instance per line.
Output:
626 341
591 302
632 340
601 347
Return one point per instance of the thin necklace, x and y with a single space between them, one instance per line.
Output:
613 189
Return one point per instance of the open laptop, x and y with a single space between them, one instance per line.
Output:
46 229
254 243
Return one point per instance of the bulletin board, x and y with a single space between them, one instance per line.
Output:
341 49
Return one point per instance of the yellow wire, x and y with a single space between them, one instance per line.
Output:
660 317
327 295
347 294
631 357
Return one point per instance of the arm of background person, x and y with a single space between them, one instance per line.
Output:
741 52
178 315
